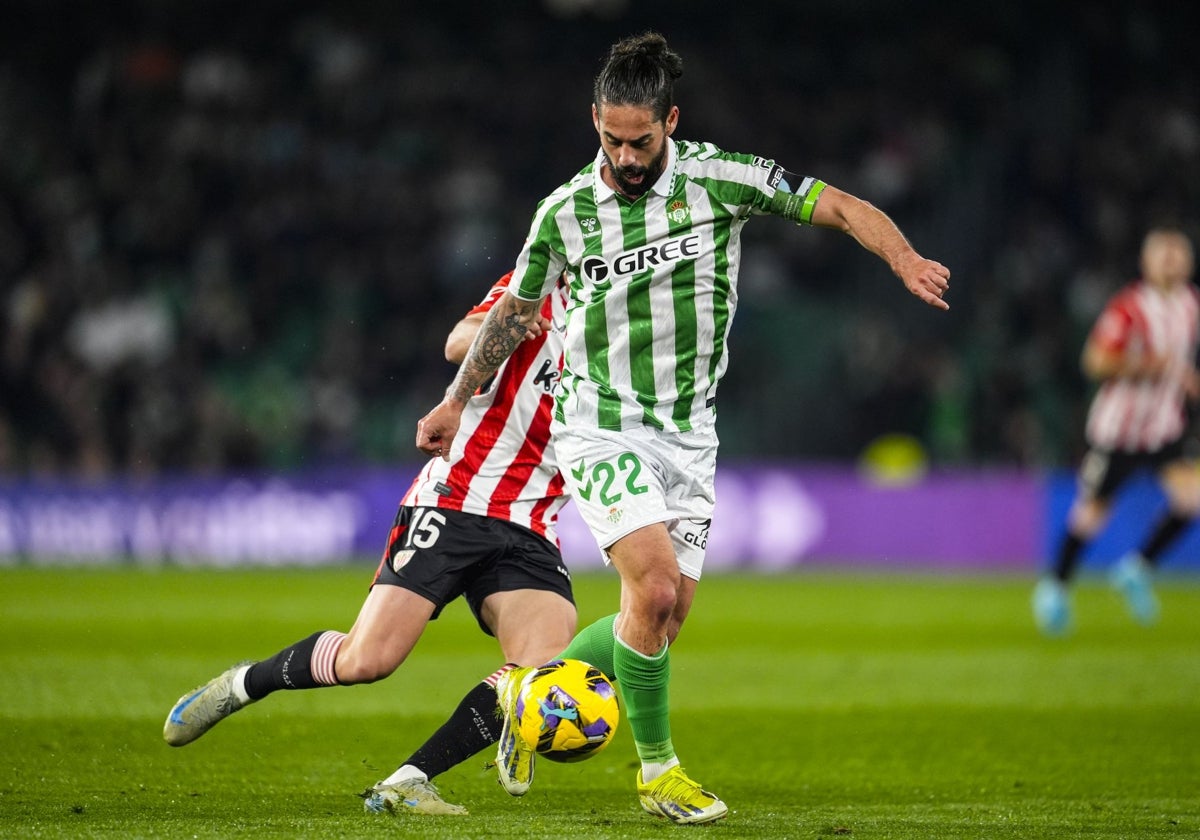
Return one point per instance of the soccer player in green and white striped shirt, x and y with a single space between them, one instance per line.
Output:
648 235
653 280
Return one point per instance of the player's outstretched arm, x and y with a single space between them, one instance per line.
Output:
507 324
927 279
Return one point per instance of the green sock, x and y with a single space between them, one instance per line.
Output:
644 681
594 645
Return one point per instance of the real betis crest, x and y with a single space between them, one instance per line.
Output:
678 211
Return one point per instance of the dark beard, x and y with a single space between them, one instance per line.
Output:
651 173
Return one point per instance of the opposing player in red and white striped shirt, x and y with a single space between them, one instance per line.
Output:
1142 351
502 464
481 525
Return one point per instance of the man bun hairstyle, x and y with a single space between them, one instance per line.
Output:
641 70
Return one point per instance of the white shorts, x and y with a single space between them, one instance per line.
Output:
623 481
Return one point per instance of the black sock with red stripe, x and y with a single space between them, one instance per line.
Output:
306 664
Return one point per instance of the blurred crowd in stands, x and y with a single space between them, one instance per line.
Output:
234 236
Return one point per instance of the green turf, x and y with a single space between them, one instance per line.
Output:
816 705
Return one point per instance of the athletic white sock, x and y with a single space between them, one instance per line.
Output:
404 774
239 684
652 770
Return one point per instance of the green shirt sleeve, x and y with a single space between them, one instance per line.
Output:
774 190
542 260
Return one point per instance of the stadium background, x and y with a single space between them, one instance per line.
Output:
234 235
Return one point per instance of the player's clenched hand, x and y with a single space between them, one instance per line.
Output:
535 328
436 430
927 279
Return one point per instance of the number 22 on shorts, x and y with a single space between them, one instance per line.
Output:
605 478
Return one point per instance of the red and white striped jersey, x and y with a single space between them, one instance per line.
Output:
1145 415
502 464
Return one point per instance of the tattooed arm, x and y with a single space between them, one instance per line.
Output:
507 324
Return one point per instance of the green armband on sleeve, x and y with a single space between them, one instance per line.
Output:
797 206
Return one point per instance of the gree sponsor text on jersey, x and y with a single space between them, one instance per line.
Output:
596 269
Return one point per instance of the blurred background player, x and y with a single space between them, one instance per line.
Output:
1142 351
479 523
649 235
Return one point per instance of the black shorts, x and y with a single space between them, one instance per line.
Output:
441 554
1103 472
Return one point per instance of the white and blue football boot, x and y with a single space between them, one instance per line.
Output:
1051 607
1132 578
409 796
200 710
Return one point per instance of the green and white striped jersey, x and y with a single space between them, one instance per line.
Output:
653 283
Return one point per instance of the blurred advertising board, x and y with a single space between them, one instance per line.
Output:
768 518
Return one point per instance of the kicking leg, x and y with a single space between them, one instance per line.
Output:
388 626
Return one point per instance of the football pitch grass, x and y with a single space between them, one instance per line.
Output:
816 705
